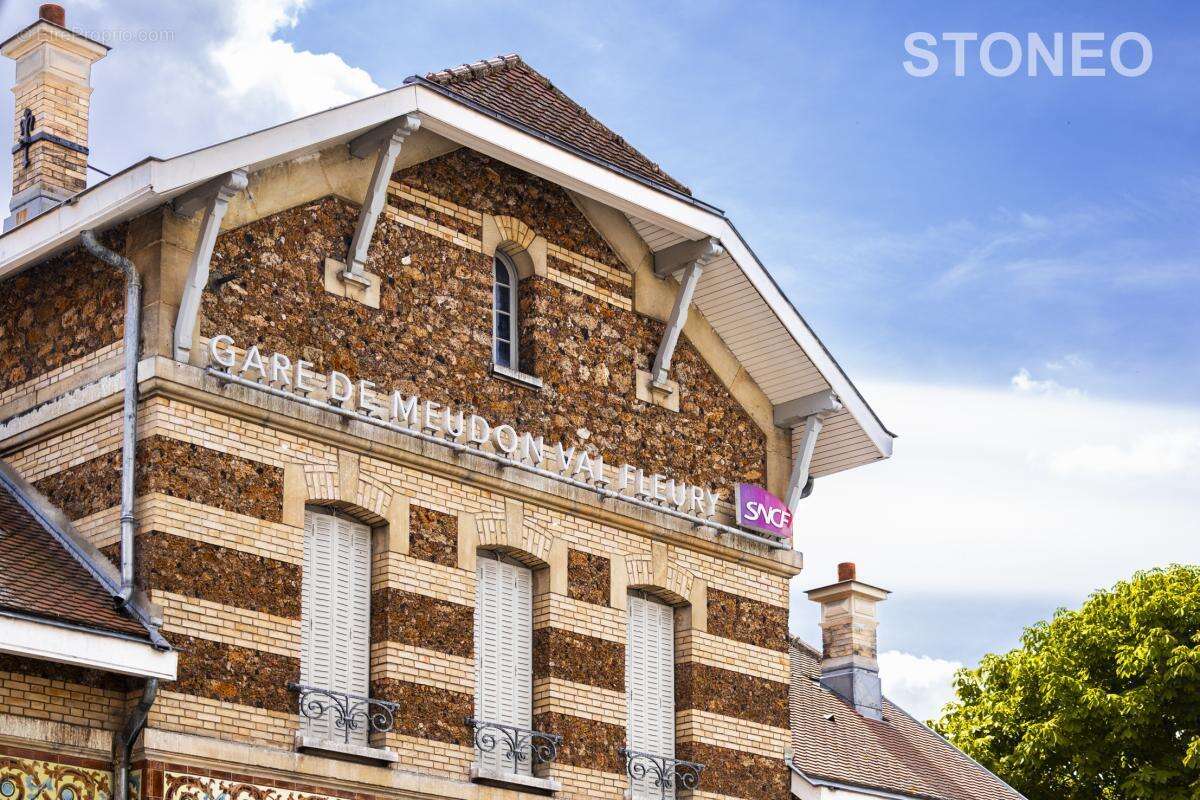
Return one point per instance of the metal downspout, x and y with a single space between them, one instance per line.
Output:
124 739
133 326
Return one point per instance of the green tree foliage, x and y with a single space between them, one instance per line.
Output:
1102 703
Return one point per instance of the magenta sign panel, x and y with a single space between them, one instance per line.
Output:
759 510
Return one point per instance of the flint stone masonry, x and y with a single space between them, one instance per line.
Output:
747 620
433 536
737 773
589 577
586 743
731 694
427 712
431 334
179 469
214 573
578 658
62 310
421 621
235 674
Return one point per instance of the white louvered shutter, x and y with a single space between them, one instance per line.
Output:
650 683
503 650
336 614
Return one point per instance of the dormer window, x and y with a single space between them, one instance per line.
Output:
505 336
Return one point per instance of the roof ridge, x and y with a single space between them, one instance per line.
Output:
483 68
476 69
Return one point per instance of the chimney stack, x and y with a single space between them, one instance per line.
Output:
52 90
849 651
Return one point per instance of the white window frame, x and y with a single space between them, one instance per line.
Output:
656 688
514 330
342 629
513 703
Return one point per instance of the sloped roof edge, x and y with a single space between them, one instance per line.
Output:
54 522
154 181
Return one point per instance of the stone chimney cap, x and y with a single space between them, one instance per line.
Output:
51 24
847 583
53 12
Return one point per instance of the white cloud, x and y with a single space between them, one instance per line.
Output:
1025 383
1152 454
921 685
974 501
260 67
1070 361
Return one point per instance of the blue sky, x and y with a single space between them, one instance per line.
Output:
1009 268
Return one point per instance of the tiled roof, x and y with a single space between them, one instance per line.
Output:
896 754
508 86
43 579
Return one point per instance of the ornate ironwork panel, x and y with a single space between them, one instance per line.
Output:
351 712
517 745
666 774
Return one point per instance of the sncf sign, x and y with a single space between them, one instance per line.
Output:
759 510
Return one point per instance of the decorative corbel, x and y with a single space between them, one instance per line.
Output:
809 412
213 197
385 142
688 258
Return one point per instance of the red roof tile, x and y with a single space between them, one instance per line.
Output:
896 754
39 577
508 86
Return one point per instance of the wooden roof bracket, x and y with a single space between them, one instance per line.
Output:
385 142
688 258
212 196
808 412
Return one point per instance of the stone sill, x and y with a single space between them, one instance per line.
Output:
516 376
333 747
481 773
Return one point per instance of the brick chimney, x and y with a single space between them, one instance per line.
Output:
53 89
849 651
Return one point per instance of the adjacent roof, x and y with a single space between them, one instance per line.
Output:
507 86
35 554
896 754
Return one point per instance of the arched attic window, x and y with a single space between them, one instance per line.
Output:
505 326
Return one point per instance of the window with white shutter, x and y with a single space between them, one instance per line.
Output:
650 683
503 650
335 612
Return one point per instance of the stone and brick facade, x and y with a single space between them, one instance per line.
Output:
225 473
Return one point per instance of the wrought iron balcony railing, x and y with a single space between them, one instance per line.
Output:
517 745
350 712
665 774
